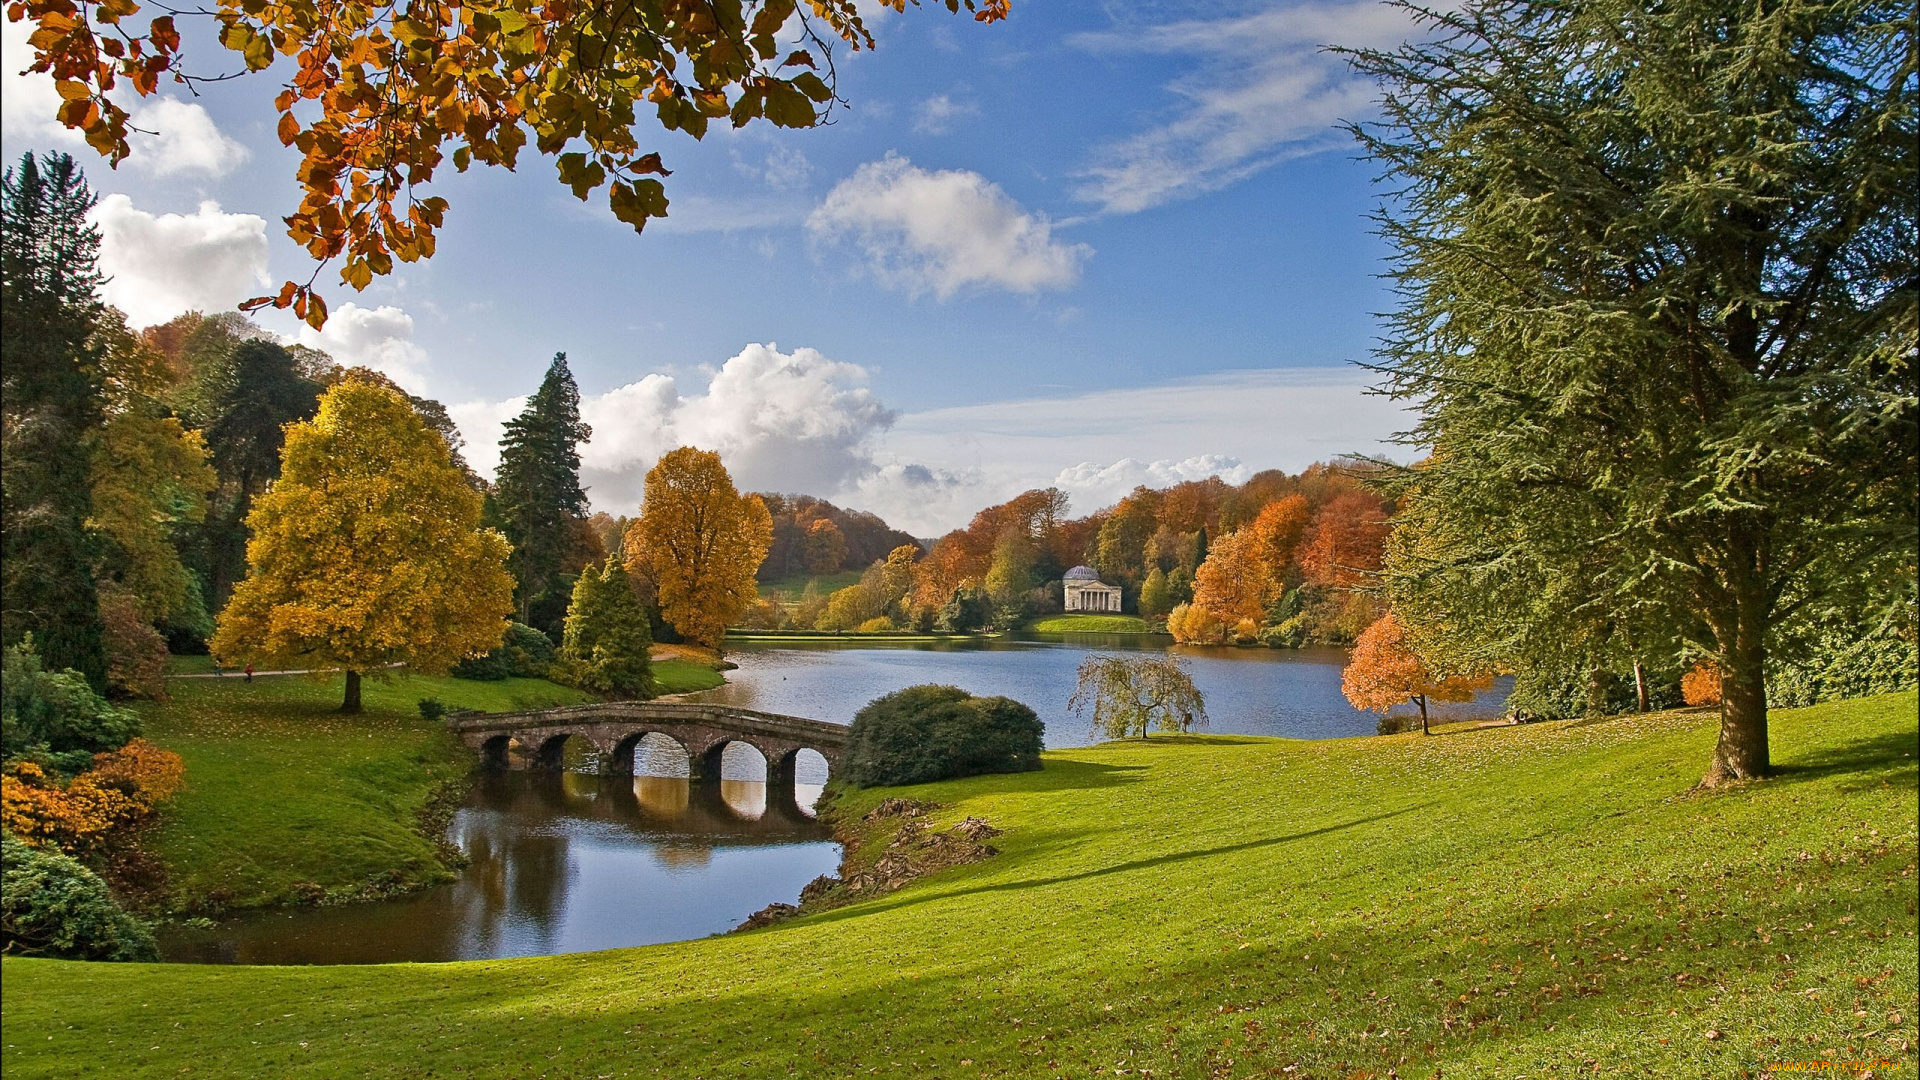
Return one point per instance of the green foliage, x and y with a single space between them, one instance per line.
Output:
1166 880
1666 368
966 610
55 712
927 733
538 493
1091 624
432 709
1132 695
51 400
1848 658
525 653
609 643
1156 596
52 905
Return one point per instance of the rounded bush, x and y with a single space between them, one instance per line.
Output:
51 905
525 653
927 733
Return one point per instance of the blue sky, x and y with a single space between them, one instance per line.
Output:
1087 246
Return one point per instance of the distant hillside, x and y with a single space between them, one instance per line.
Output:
813 536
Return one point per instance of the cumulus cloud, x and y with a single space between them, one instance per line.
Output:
161 265
379 338
174 137
1096 485
945 231
795 421
1262 89
936 115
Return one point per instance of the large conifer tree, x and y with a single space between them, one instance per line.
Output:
52 406
538 495
1658 310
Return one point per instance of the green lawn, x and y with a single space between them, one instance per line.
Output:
684 676
285 796
795 585
1551 900
1091 624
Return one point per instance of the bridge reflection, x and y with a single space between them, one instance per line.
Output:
720 811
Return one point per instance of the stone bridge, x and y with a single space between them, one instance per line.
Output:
616 728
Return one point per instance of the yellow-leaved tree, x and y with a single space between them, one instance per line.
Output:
368 551
700 542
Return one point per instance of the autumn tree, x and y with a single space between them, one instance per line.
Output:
1233 585
1278 532
1385 671
378 99
1658 319
368 551
1131 695
50 406
1155 598
826 547
538 495
1010 577
700 543
1347 541
607 646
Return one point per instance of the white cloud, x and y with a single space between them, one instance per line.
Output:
945 231
174 137
162 265
936 115
781 421
1095 485
379 338
1263 90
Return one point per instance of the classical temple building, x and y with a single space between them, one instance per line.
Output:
1086 592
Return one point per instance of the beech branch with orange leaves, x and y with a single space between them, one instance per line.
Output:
381 94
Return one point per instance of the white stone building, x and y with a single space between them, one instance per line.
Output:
1086 592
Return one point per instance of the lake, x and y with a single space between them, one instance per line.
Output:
570 862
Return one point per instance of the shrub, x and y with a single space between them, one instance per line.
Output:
927 733
51 905
879 625
525 653
121 788
432 709
54 712
1395 724
608 646
1701 685
136 653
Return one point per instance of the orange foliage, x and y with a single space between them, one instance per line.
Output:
1193 625
1232 586
1277 533
122 787
1701 686
1349 539
1385 671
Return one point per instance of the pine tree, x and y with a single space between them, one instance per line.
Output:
52 406
608 643
538 494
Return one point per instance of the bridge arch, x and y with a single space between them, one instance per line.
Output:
714 760
660 747
552 750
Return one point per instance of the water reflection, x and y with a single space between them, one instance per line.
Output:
1288 692
560 862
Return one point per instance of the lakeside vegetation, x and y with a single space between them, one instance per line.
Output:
1194 906
1090 624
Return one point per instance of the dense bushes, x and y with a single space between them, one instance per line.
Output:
608 644
926 733
55 718
93 808
51 905
525 653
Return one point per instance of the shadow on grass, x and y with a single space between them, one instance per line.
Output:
1121 868
1881 756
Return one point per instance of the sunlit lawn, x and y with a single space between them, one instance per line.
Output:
1543 901
1090 624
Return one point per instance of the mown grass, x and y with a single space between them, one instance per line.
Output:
684 676
791 587
287 799
1552 900
1091 624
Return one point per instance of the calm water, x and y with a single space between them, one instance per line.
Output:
561 862
1288 692
570 862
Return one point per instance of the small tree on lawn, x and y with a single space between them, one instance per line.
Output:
368 551
1385 671
608 644
1131 695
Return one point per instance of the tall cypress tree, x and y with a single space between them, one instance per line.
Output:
538 495
51 401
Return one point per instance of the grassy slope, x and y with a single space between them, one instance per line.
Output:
684 676
281 790
797 584
1090 624
1540 901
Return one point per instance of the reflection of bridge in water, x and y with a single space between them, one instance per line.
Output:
616 731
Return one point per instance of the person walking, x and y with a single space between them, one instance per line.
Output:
249 672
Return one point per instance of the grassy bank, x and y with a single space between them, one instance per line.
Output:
685 676
1091 624
1543 901
792 587
286 799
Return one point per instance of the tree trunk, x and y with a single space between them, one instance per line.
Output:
1741 753
1422 699
352 704
1640 686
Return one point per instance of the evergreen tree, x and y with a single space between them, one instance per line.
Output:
52 406
608 644
1156 598
1657 312
537 491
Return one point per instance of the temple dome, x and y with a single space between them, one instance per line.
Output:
1082 573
